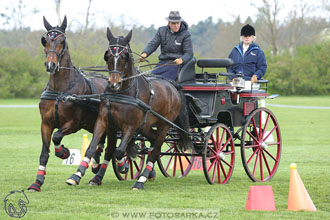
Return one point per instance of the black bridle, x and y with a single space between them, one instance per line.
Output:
53 35
116 50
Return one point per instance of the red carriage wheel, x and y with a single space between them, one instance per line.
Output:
261 145
218 154
134 166
169 163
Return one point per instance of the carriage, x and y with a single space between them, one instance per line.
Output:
223 116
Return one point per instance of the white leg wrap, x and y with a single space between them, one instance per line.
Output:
105 162
86 159
94 164
150 164
78 174
57 146
42 168
142 179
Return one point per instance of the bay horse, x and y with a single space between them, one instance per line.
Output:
116 112
68 116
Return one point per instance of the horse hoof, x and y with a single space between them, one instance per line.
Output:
33 190
138 186
95 181
93 184
73 180
35 187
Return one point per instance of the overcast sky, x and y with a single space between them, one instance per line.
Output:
141 12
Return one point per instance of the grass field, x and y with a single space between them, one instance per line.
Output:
306 141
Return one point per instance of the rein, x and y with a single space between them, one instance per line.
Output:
148 71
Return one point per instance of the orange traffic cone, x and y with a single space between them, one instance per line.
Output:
84 146
299 198
260 198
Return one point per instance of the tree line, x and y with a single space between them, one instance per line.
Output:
296 50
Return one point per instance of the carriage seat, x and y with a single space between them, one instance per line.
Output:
215 63
187 73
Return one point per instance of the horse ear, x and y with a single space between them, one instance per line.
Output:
43 41
128 37
47 25
64 23
109 34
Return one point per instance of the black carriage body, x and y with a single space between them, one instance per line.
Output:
212 101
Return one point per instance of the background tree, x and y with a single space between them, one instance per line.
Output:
58 11
87 15
268 14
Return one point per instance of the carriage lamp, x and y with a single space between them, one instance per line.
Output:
238 82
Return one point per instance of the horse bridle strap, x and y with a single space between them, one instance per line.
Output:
116 55
53 37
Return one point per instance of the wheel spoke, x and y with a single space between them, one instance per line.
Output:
168 163
225 144
214 152
218 169
136 166
174 167
275 143
188 160
260 125
269 133
229 152
223 169
255 130
214 169
222 136
255 164
252 136
266 162
261 169
252 156
210 167
131 171
265 127
228 164
181 166
211 157
251 146
271 155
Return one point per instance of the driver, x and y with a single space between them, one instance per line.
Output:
248 58
175 45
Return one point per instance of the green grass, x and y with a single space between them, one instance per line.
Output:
306 141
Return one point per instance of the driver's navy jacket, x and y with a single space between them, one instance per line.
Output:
253 62
172 45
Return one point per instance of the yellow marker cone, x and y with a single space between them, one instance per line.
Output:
85 145
299 198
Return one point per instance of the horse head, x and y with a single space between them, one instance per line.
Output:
119 59
54 45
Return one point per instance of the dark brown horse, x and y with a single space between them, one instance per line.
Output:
64 79
118 112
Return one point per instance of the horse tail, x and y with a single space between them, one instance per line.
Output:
183 121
